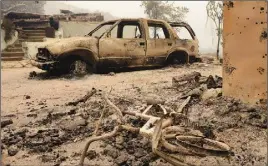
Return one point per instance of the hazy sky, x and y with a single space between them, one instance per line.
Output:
197 16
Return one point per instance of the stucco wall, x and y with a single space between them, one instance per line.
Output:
73 28
4 44
245 50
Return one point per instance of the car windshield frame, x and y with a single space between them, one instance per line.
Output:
101 25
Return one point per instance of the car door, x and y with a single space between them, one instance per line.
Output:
186 37
159 43
124 45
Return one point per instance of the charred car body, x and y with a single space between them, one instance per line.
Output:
119 44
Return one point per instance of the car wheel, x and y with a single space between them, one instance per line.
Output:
80 68
174 61
177 61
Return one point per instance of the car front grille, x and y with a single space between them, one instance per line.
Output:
43 55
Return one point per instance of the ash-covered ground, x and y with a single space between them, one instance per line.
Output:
39 128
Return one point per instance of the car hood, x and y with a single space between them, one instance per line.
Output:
59 46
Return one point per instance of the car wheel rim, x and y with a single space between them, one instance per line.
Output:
78 68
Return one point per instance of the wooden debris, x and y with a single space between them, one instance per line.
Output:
4 123
211 82
151 101
186 78
203 79
83 99
197 92
184 104
218 81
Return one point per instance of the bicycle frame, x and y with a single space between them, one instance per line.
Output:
160 130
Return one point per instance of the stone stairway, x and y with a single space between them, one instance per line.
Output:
33 35
15 52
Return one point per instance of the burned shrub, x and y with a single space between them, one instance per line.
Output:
9 28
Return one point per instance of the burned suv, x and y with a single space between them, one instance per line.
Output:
119 44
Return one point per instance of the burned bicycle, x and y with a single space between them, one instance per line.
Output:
172 134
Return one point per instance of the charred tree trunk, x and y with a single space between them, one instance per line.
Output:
219 40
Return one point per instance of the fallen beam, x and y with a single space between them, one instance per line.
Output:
83 99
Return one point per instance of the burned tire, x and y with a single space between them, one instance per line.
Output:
80 68
177 58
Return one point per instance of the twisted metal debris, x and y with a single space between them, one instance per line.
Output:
170 140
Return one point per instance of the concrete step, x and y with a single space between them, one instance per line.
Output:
35 34
31 40
36 37
34 31
35 28
17 44
11 58
14 49
12 54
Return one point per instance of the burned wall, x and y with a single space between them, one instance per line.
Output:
245 50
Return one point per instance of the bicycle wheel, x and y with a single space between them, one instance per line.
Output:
174 139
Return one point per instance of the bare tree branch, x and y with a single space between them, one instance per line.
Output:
164 10
215 13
